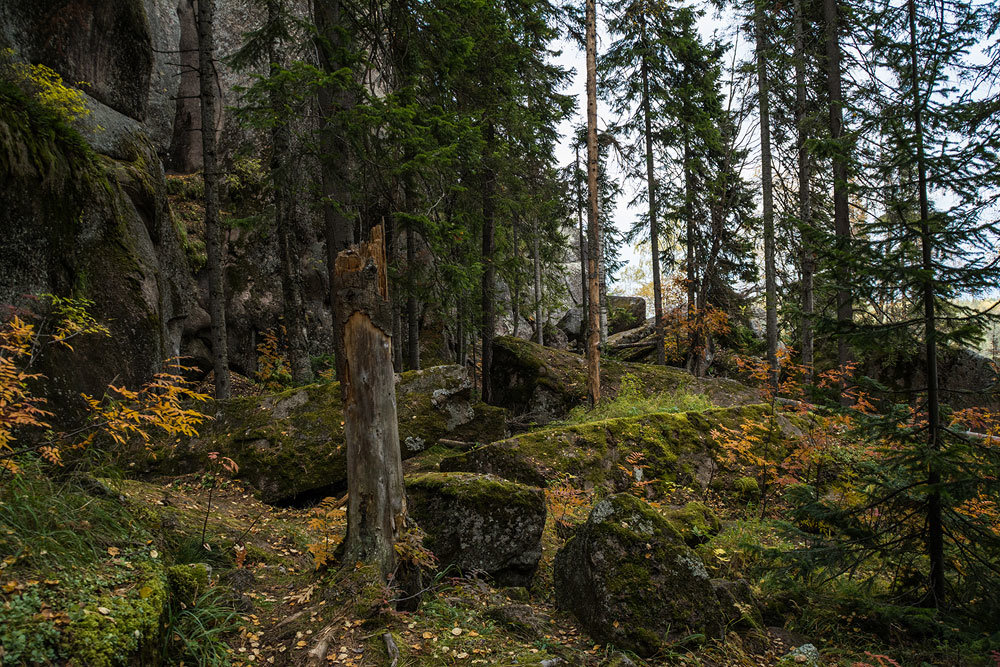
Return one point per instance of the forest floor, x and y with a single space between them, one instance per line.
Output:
289 612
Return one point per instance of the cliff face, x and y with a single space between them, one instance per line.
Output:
76 223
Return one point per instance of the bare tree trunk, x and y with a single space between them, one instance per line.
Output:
537 259
594 318
654 222
376 506
412 316
841 220
584 254
805 195
213 226
935 526
338 230
689 239
770 278
489 268
391 244
515 302
284 221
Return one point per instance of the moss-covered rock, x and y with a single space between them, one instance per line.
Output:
119 628
80 225
480 523
543 383
630 579
187 582
290 445
674 447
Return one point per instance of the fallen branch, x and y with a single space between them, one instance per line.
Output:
391 649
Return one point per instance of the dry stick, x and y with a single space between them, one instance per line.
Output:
317 654
391 649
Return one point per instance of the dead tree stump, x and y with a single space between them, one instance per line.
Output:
376 507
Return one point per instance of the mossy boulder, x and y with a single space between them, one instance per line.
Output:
675 447
187 582
76 224
627 575
542 384
480 524
625 313
290 445
119 628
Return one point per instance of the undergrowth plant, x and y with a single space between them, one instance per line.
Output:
119 419
633 400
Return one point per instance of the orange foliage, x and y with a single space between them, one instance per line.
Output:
121 416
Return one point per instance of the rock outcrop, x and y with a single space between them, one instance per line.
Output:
542 384
480 524
630 579
78 224
674 448
290 446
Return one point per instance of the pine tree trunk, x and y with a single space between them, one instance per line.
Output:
689 239
213 226
338 231
537 260
515 302
489 268
412 316
841 220
584 254
770 278
391 245
594 318
654 222
805 195
284 221
376 506
935 527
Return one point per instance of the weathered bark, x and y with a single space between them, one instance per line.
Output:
392 255
489 268
584 254
537 259
376 505
841 220
770 277
412 314
935 526
654 222
284 222
515 301
338 230
805 195
213 227
593 259
689 239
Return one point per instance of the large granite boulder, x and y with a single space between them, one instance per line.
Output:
480 524
676 448
630 579
625 312
78 224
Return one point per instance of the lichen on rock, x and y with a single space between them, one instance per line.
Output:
480 523
627 575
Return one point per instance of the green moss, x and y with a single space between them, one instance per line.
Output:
187 582
114 628
292 443
695 522
747 487
527 375
671 446
480 491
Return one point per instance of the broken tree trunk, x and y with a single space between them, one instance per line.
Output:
376 506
